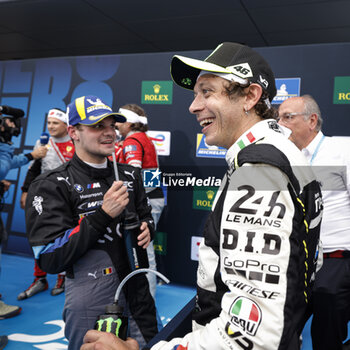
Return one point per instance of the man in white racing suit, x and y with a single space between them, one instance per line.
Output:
257 261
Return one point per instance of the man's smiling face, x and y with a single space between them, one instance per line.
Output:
219 115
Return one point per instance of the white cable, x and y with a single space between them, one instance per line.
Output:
121 285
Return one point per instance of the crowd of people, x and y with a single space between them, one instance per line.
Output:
275 248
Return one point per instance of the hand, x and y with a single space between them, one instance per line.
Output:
96 340
23 199
115 199
39 152
144 238
7 185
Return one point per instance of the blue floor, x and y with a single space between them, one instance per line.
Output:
40 325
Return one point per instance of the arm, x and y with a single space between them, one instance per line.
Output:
262 262
132 152
34 170
256 267
58 237
10 161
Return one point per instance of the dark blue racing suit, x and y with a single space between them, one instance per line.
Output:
69 231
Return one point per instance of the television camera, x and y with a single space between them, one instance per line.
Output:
10 123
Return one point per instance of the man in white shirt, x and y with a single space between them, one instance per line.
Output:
330 157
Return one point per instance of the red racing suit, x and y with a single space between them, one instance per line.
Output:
139 151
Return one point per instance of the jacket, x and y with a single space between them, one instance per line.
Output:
258 257
64 216
10 161
59 151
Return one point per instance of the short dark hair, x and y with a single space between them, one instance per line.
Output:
233 90
139 111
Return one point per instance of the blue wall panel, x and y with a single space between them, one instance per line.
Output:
39 85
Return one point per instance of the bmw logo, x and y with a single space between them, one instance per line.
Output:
79 188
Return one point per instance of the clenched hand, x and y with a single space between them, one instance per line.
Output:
115 199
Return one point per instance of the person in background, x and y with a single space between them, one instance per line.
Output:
60 150
139 151
75 216
258 255
330 157
118 146
8 161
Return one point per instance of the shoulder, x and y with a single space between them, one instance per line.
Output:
5 147
129 170
51 175
135 138
340 144
273 149
281 153
131 145
335 150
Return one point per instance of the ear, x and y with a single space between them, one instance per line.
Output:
313 121
253 95
73 132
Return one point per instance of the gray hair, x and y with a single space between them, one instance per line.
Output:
311 107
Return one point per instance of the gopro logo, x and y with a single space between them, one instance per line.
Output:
151 178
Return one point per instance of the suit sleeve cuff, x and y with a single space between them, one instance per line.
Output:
100 220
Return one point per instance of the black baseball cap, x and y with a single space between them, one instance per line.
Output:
227 58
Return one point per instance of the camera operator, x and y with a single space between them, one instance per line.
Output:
10 125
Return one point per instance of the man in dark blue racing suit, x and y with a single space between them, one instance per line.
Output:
74 218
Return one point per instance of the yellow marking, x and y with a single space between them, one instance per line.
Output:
80 105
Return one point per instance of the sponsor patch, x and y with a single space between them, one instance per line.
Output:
79 188
65 179
242 70
286 88
341 92
246 315
37 204
206 151
130 148
203 197
107 271
84 196
161 141
195 242
157 92
130 173
93 185
90 205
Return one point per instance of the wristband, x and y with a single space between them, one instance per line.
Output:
29 156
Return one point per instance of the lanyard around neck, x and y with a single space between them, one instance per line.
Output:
317 149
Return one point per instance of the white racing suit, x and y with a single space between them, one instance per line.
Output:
258 257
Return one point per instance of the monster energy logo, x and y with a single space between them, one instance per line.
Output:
109 325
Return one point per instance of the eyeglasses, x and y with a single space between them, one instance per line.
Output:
288 117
